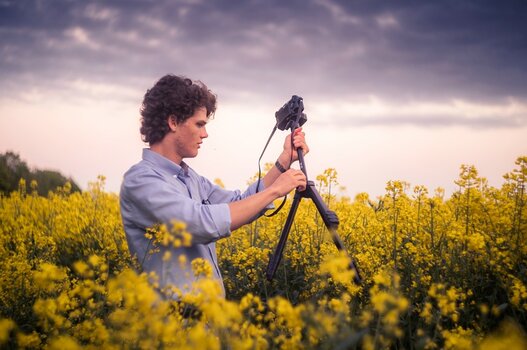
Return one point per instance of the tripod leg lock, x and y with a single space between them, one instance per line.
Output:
331 219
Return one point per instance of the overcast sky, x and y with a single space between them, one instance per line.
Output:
393 90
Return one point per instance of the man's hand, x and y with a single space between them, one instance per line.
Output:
244 210
289 156
288 181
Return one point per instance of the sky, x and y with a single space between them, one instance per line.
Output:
392 90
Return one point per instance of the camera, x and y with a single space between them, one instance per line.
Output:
291 112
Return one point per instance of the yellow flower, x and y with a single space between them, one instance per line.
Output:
201 267
509 336
64 342
94 260
426 313
31 340
48 277
167 255
458 338
83 269
6 326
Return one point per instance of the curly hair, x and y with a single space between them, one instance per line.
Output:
175 96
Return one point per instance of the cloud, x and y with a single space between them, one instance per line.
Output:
82 37
326 50
339 13
99 13
373 111
387 21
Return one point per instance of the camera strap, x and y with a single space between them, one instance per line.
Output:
260 174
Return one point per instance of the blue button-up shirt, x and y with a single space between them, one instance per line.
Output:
159 191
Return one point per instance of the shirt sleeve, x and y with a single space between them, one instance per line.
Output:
149 199
216 194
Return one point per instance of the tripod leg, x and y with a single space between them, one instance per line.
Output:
357 278
277 255
332 222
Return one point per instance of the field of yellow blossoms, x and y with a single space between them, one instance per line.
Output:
439 273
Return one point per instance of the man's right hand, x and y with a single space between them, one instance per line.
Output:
245 210
288 181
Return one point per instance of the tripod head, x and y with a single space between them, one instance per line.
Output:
290 115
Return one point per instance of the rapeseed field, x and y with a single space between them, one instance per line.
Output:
438 273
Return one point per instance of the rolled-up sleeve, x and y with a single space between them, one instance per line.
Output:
150 200
216 194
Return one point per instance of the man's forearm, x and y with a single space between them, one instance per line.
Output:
277 184
273 173
244 210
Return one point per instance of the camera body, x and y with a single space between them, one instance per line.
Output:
291 112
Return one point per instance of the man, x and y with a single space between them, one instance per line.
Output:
161 188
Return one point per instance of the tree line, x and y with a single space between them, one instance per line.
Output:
13 169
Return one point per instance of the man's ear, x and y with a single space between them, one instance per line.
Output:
172 123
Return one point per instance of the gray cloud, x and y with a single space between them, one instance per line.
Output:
435 51
435 121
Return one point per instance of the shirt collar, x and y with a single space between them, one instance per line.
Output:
165 164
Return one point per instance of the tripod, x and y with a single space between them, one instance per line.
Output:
329 217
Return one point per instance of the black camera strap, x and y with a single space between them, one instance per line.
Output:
260 174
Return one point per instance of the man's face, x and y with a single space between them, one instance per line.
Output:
190 134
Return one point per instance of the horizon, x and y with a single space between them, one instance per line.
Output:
407 189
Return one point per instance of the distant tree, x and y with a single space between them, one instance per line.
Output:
12 169
49 180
